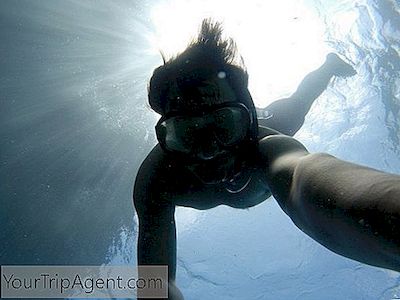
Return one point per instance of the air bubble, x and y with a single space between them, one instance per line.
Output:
221 75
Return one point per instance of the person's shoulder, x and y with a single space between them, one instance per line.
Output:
151 169
274 147
266 131
162 173
155 159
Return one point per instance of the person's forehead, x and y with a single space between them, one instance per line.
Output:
201 93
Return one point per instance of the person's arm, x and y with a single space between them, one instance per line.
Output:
350 209
157 232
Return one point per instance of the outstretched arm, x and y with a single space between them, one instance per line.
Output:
287 115
157 232
350 209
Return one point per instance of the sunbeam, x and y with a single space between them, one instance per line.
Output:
75 126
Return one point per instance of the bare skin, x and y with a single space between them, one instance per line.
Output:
161 184
288 114
165 180
350 209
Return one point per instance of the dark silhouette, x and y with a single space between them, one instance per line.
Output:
212 151
287 115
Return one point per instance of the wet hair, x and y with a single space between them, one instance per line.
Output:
207 55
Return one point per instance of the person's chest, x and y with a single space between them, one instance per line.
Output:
247 189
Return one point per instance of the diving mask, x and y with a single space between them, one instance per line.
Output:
227 125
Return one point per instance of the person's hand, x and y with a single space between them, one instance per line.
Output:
174 292
338 66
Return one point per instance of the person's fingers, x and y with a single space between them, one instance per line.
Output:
174 292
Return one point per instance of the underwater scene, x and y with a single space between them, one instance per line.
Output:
76 125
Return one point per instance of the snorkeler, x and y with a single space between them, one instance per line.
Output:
211 151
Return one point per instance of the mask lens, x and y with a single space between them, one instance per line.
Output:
179 133
226 126
231 125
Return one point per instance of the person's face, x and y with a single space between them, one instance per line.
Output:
212 161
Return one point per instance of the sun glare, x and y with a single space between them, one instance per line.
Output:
279 41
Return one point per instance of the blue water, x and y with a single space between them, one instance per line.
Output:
75 126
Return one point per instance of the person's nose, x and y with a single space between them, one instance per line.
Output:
208 150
